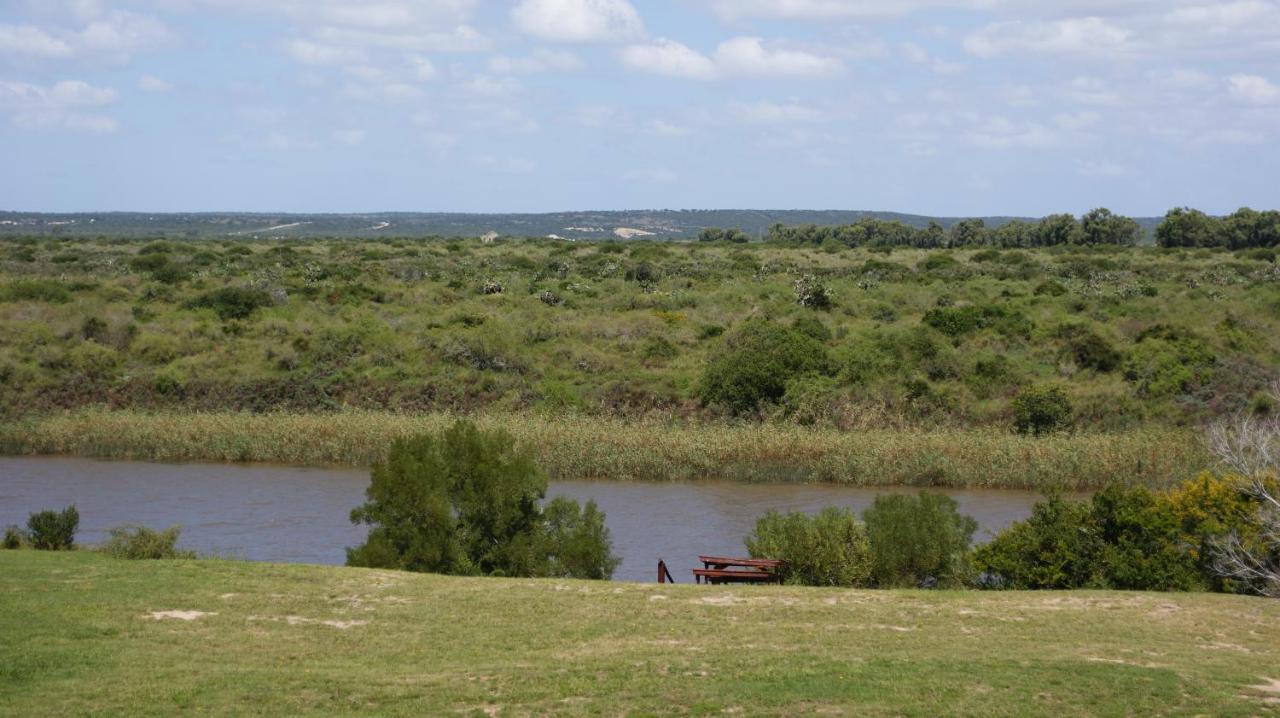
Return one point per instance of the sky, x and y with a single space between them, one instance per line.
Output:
940 107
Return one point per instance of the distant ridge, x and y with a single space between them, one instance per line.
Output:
637 224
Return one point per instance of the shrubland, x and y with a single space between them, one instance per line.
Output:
684 359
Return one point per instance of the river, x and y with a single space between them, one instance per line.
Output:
293 515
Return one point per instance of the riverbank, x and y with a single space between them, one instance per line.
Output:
89 634
583 447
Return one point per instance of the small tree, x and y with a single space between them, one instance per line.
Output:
467 501
1251 447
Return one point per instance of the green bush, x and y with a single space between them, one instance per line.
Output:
811 326
829 549
1087 349
577 541
918 540
232 302
141 543
466 501
754 364
1168 361
1053 549
13 538
35 290
1123 538
53 530
1050 288
1041 409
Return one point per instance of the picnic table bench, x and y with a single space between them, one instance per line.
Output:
722 569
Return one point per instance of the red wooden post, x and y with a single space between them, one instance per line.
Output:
662 571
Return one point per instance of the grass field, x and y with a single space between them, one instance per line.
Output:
581 447
84 634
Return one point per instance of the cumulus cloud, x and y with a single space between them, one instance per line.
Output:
578 21
314 53
737 57
748 56
668 57
350 137
1253 89
68 105
1087 36
114 35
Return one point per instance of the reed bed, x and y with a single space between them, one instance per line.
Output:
581 447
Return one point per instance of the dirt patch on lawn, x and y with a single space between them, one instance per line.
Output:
177 615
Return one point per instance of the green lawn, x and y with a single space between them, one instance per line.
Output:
79 637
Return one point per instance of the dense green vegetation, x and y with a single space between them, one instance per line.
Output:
88 634
1132 336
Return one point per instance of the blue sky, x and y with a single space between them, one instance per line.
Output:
948 107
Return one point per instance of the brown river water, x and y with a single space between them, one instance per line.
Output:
292 515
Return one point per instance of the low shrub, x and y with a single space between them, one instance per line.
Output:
1168 361
232 302
1124 538
918 540
754 364
1087 349
811 292
1039 410
54 530
141 543
811 326
14 539
828 549
36 290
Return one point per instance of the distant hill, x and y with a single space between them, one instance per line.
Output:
634 224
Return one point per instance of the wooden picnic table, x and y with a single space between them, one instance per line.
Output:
723 569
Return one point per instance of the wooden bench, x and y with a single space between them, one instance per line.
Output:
722 569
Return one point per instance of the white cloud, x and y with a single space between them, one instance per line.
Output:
749 57
540 60
1086 36
115 35
667 57
578 21
819 9
1253 89
64 105
350 137
772 113
423 69
312 53
736 57
1002 133
506 164
1101 168
666 129
151 83
30 40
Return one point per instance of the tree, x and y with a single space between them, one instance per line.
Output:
1186 227
1058 229
1251 448
1100 226
467 501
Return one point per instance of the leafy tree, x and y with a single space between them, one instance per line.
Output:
1186 227
1053 549
466 501
1100 226
232 302
1058 229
